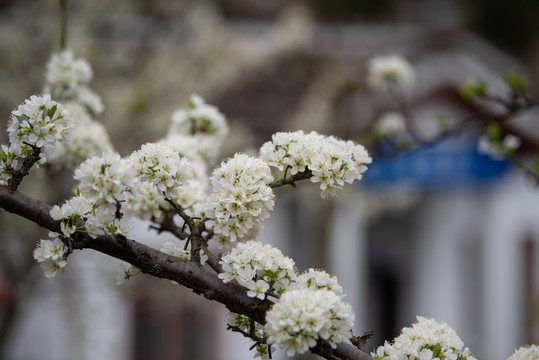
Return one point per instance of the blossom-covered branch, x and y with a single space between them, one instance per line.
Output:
156 263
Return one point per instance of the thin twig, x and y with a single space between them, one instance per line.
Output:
63 24
292 179
186 218
18 175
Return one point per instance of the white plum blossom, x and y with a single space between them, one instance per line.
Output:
39 122
106 181
67 78
426 339
191 194
98 218
64 72
178 249
90 100
192 146
318 279
390 124
498 150
161 165
200 128
199 118
114 194
192 197
303 316
333 162
105 220
88 138
258 289
146 202
124 272
51 255
104 178
77 207
259 268
241 200
391 74
530 352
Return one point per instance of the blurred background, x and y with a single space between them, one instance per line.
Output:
440 231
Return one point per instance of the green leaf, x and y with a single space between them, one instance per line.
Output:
52 111
535 167
436 350
516 82
494 132
473 88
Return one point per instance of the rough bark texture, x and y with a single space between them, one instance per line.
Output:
202 280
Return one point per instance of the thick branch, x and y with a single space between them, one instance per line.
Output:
198 278
31 209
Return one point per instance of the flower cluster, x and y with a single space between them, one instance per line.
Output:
525 353
67 78
333 162
194 146
198 129
498 150
161 165
51 255
241 199
391 74
40 122
316 280
103 178
426 339
262 269
145 201
112 190
303 316
105 181
179 249
88 138
71 212
390 124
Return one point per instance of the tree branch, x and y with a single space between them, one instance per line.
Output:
292 179
63 24
198 278
28 162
